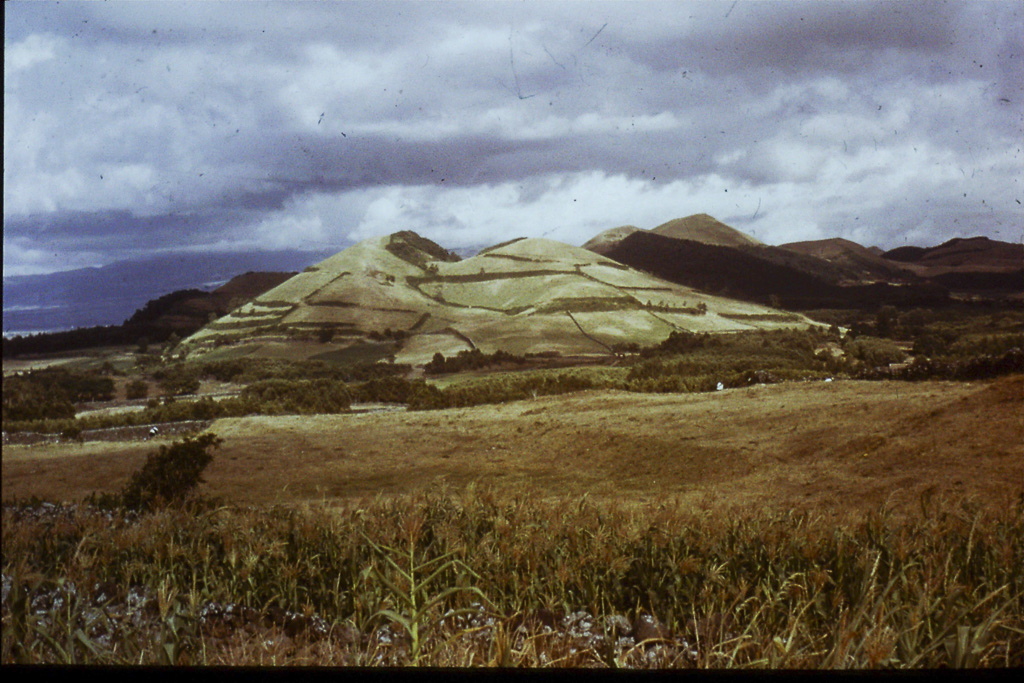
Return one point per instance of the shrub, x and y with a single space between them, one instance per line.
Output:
137 388
180 382
875 352
170 474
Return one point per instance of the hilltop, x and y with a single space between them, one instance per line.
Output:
865 264
404 296
700 251
974 265
705 229
603 242
700 228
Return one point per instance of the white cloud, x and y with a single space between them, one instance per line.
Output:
856 122
565 207
24 258
26 53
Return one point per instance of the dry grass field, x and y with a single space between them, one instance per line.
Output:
834 448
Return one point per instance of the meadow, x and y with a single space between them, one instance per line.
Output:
508 511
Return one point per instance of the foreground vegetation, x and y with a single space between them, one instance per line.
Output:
477 578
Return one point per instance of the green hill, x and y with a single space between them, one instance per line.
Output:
405 296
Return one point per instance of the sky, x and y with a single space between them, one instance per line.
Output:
155 127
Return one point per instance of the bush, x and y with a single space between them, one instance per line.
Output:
179 383
875 352
137 388
170 474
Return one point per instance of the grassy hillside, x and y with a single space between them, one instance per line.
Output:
525 296
604 241
705 229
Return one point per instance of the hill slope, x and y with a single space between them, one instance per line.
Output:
761 273
832 448
977 254
525 296
605 241
700 228
865 264
705 229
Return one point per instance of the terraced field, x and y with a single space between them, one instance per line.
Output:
526 296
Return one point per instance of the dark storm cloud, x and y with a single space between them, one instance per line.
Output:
218 125
118 231
798 37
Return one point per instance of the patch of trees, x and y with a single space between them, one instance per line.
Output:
302 397
51 393
473 359
269 397
388 335
412 248
177 380
970 369
247 370
798 344
136 388
501 389
871 352
70 340
387 390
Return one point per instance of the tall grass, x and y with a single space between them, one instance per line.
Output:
478 578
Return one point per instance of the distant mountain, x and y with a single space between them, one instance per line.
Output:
763 274
697 228
407 296
866 265
107 296
700 251
971 266
705 229
975 254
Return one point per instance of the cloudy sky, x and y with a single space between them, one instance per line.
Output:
133 128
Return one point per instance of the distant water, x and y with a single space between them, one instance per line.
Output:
22 320
26 333
90 297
